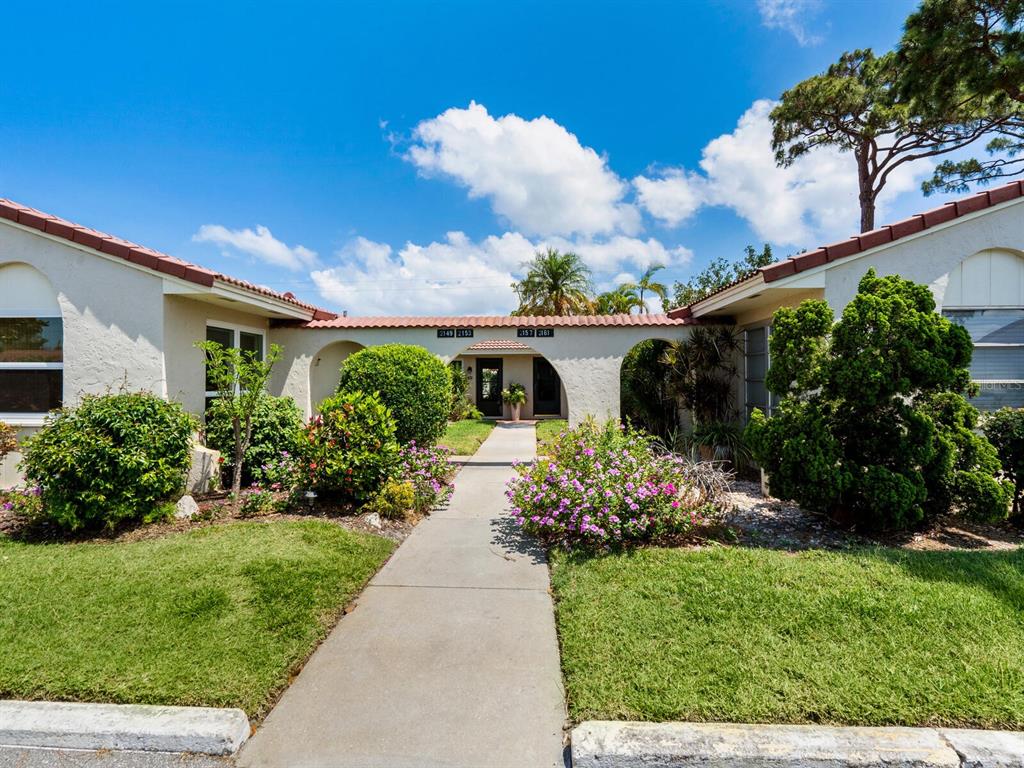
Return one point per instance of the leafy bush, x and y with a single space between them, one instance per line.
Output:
1005 430
605 486
395 500
349 449
873 427
114 458
283 473
8 439
646 400
430 472
24 502
461 407
412 382
276 427
256 502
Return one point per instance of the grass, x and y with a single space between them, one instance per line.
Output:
464 437
547 430
219 616
872 637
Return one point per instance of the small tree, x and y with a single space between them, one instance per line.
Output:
240 379
872 427
1005 430
555 284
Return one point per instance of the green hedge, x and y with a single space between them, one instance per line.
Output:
276 427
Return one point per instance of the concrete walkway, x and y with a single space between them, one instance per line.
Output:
450 658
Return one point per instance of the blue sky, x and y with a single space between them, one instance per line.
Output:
398 157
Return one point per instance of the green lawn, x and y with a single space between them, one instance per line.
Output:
870 637
464 437
548 429
219 616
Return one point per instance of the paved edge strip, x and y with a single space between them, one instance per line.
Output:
607 744
140 727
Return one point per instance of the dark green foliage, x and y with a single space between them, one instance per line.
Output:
414 384
873 427
646 399
1005 430
114 458
720 273
701 372
349 449
276 426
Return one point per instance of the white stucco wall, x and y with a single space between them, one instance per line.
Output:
185 322
588 359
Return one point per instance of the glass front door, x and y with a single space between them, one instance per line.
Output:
488 386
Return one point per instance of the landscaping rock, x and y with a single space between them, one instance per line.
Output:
986 749
186 508
61 725
710 745
373 519
204 472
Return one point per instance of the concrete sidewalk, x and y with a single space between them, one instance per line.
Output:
450 658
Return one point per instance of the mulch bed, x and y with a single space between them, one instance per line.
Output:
764 521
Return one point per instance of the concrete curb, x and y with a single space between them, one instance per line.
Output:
64 725
603 744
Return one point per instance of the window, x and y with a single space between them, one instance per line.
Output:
755 369
247 341
31 366
997 364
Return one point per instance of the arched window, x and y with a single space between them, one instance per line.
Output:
31 345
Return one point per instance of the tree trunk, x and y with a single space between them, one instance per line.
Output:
236 474
867 190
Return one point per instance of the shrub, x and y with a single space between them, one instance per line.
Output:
413 383
605 486
24 502
256 502
514 394
1005 430
276 427
114 458
348 449
430 472
461 408
8 439
873 427
395 500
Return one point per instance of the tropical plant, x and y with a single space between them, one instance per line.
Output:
855 107
621 301
112 459
872 427
276 426
701 372
349 448
514 394
646 399
957 49
555 284
240 379
647 284
720 273
414 384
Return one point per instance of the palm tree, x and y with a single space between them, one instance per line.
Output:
646 284
622 301
555 284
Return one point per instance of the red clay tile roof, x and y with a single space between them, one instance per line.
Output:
138 254
866 240
496 344
496 321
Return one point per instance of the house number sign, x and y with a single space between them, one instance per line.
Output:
455 333
540 333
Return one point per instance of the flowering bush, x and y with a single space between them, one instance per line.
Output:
26 502
348 449
256 502
430 472
605 486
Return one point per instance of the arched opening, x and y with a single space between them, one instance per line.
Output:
325 370
31 345
646 396
985 294
491 366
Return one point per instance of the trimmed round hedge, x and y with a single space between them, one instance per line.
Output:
412 382
114 458
276 427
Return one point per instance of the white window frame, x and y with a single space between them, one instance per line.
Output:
24 419
235 331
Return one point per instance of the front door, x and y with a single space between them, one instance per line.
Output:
547 389
488 386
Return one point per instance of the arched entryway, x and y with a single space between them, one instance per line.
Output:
491 366
325 370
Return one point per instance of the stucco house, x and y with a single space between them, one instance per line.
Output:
86 312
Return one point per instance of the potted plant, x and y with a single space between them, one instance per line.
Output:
515 396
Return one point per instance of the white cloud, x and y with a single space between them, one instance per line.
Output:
259 243
534 173
813 200
459 276
791 16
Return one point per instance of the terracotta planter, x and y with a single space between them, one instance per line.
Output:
515 411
